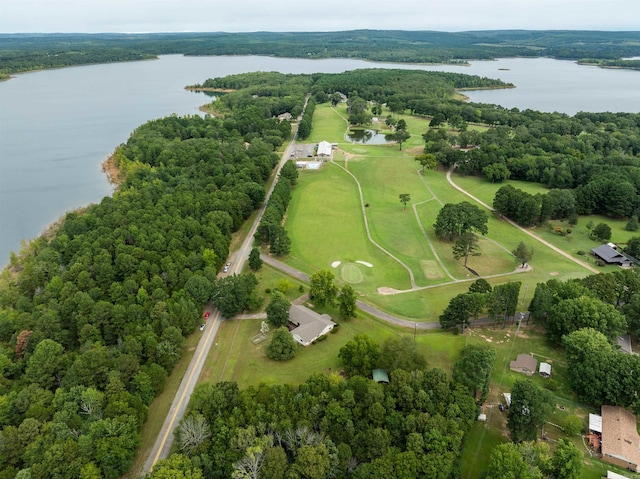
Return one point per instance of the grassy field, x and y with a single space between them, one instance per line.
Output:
326 225
577 240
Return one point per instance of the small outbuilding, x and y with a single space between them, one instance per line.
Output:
545 370
482 417
595 423
624 342
380 376
507 399
615 475
525 364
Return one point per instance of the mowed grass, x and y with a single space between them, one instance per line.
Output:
576 241
394 227
325 224
234 357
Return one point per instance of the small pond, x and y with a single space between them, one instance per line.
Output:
372 137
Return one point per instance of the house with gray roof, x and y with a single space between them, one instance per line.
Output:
309 324
524 363
610 255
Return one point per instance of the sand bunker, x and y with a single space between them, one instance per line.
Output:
335 264
364 263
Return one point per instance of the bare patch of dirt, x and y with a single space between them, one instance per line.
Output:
111 170
554 273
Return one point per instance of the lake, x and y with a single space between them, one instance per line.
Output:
58 126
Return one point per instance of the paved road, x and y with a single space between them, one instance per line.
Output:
164 442
366 307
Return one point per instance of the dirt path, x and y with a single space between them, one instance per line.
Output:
524 230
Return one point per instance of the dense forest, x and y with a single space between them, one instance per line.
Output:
93 320
328 426
593 155
23 52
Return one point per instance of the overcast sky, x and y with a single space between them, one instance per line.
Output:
320 15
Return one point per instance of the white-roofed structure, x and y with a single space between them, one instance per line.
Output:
507 399
545 370
615 475
324 149
595 423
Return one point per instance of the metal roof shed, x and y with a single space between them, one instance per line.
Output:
545 370
595 423
380 376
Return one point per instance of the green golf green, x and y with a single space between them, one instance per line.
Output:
351 273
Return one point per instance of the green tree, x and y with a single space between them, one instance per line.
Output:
199 287
282 346
404 199
323 290
347 302
402 353
360 355
455 219
231 294
480 285
177 466
45 366
632 224
278 310
496 172
473 369
428 161
255 262
457 313
466 245
522 253
601 232
400 136
633 247
584 312
566 462
505 462
530 408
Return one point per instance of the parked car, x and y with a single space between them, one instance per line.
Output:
226 268
206 314
202 327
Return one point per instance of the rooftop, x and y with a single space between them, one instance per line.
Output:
524 361
620 437
310 324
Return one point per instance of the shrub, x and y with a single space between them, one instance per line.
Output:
321 338
301 289
267 290
580 252
572 425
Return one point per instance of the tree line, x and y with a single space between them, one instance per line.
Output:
22 52
92 320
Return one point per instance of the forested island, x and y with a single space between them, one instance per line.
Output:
25 52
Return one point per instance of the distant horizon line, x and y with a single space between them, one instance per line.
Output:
161 32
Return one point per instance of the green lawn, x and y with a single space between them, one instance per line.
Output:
325 224
577 240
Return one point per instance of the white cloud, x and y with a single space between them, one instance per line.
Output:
329 15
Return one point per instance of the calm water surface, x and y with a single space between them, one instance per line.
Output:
57 126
